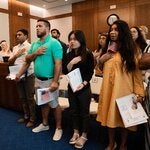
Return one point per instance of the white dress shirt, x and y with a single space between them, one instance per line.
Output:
21 59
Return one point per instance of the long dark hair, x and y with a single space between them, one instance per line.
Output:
140 41
126 46
79 35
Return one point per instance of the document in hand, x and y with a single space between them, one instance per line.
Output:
131 114
13 71
74 78
44 96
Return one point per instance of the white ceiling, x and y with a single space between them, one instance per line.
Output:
48 4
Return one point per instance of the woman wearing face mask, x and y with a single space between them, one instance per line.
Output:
79 57
121 77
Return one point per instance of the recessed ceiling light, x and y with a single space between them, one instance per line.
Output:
66 0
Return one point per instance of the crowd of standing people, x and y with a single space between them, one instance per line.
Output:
122 59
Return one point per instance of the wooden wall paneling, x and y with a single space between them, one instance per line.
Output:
84 6
123 13
142 15
17 22
4 11
132 11
96 13
102 21
141 2
84 17
84 22
95 30
123 10
104 5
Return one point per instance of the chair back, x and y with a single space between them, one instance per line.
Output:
96 83
63 83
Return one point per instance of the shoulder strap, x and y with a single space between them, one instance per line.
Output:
147 48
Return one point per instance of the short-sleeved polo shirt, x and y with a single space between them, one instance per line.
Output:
44 64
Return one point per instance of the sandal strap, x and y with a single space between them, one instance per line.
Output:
80 144
82 137
76 134
74 138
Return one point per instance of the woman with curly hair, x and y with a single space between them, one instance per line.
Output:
121 77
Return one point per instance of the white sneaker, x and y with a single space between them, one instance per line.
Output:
58 134
40 128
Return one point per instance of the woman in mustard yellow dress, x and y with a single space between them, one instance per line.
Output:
121 77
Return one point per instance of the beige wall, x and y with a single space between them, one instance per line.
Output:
4 27
12 21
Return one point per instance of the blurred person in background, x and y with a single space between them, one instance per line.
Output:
5 51
55 33
144 31
101 44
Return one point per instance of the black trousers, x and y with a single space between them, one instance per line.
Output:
79 107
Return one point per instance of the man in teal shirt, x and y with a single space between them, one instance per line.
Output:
47 56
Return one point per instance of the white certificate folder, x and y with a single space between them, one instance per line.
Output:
13 71
131 114
44 96
74 78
